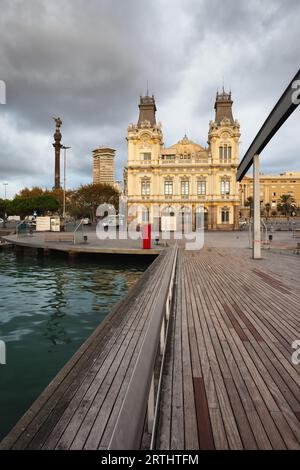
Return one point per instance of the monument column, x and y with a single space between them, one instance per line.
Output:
57 147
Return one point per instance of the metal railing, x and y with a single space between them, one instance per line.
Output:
79 233
22 228
140 397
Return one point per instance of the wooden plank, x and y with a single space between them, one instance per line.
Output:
203 418
190 401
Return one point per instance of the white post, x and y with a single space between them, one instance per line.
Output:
64 198
256 210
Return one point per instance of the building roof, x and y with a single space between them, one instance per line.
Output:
281 176
104 150
223 107
147 109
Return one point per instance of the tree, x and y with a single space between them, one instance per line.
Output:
268 209
35 191
23 206
87 198
286 204
3 207
249 201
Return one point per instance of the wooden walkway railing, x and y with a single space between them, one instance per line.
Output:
129 427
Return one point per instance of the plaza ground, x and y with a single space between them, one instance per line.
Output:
282 241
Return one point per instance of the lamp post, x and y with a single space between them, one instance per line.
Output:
5 185
65 168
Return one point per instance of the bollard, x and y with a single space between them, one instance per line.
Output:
147 236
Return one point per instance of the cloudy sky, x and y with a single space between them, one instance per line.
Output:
88 61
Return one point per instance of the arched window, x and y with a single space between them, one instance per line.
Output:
145 215
225 153
225 214
145 187
225 185
168 187
201 187
185 187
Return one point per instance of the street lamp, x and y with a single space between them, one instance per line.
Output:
65 168
5 185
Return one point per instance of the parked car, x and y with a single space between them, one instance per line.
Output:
86 221
1 221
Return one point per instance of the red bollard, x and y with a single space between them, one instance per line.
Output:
147 236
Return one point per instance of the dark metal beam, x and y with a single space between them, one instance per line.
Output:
279 114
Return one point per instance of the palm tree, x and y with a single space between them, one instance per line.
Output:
249 201
286 204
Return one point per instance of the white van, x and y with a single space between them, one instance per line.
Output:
13 218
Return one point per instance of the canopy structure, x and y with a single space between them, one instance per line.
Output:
284 107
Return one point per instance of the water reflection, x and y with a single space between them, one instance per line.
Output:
48 308
54 329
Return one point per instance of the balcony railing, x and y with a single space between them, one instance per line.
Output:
185 197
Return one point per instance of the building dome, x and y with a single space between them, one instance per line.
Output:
184 146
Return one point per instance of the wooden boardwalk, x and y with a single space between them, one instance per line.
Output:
229 382
79 408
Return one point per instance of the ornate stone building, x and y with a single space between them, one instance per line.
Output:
184 178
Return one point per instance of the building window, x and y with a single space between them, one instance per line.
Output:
229 151
145 187
225 186
221 154
168 187
145 215
146 157
185 188
225 215
225 152
201 187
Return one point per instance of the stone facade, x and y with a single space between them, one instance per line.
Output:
272 187
185 177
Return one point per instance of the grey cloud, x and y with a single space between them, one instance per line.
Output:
88 61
